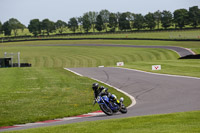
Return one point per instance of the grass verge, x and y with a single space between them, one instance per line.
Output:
183 67
80 56
37 94
187 122
186 44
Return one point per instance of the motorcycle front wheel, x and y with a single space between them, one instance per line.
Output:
106 109
123 109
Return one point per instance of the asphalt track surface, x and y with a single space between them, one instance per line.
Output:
154 93
179 50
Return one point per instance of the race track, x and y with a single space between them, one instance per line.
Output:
154 93
179 50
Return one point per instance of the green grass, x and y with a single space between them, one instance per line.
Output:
189 34
45 91
178 34
80 56
183 67
186 44
196 50
187 122
36 94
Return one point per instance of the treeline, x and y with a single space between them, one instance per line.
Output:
109 22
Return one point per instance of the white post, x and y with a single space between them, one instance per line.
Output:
18 59
11 59
5 54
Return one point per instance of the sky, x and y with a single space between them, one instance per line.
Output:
25 10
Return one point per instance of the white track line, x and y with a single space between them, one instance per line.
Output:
73 72
189 50
131 97
182 48
55 120
179 76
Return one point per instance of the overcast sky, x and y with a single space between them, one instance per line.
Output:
25 10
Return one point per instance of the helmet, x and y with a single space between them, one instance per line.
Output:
113 97
95 86
101 88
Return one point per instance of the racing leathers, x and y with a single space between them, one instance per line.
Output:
101 91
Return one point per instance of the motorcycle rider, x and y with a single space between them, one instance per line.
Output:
101 91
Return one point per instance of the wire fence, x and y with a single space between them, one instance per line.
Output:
184 35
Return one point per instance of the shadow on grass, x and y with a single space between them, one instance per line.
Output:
197 56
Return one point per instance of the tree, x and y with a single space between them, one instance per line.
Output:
1 27
124 23
194 16
48 26
35 27
166 19
80 22
92 18
86 23
6 28
105 17
130 17
112 22
60 26
118 14
150 20
139 21
158 16
180 18
22 28
73 24
15 25
99 23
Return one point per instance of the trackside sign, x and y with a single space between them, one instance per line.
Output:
156 67
120 63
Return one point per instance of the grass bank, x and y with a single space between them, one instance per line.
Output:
80 56
190 67
137 58
186 44
37 94
188 122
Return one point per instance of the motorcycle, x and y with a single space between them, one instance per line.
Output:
109 106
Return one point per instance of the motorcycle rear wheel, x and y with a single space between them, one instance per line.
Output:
106 109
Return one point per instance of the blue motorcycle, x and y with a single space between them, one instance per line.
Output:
109 106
